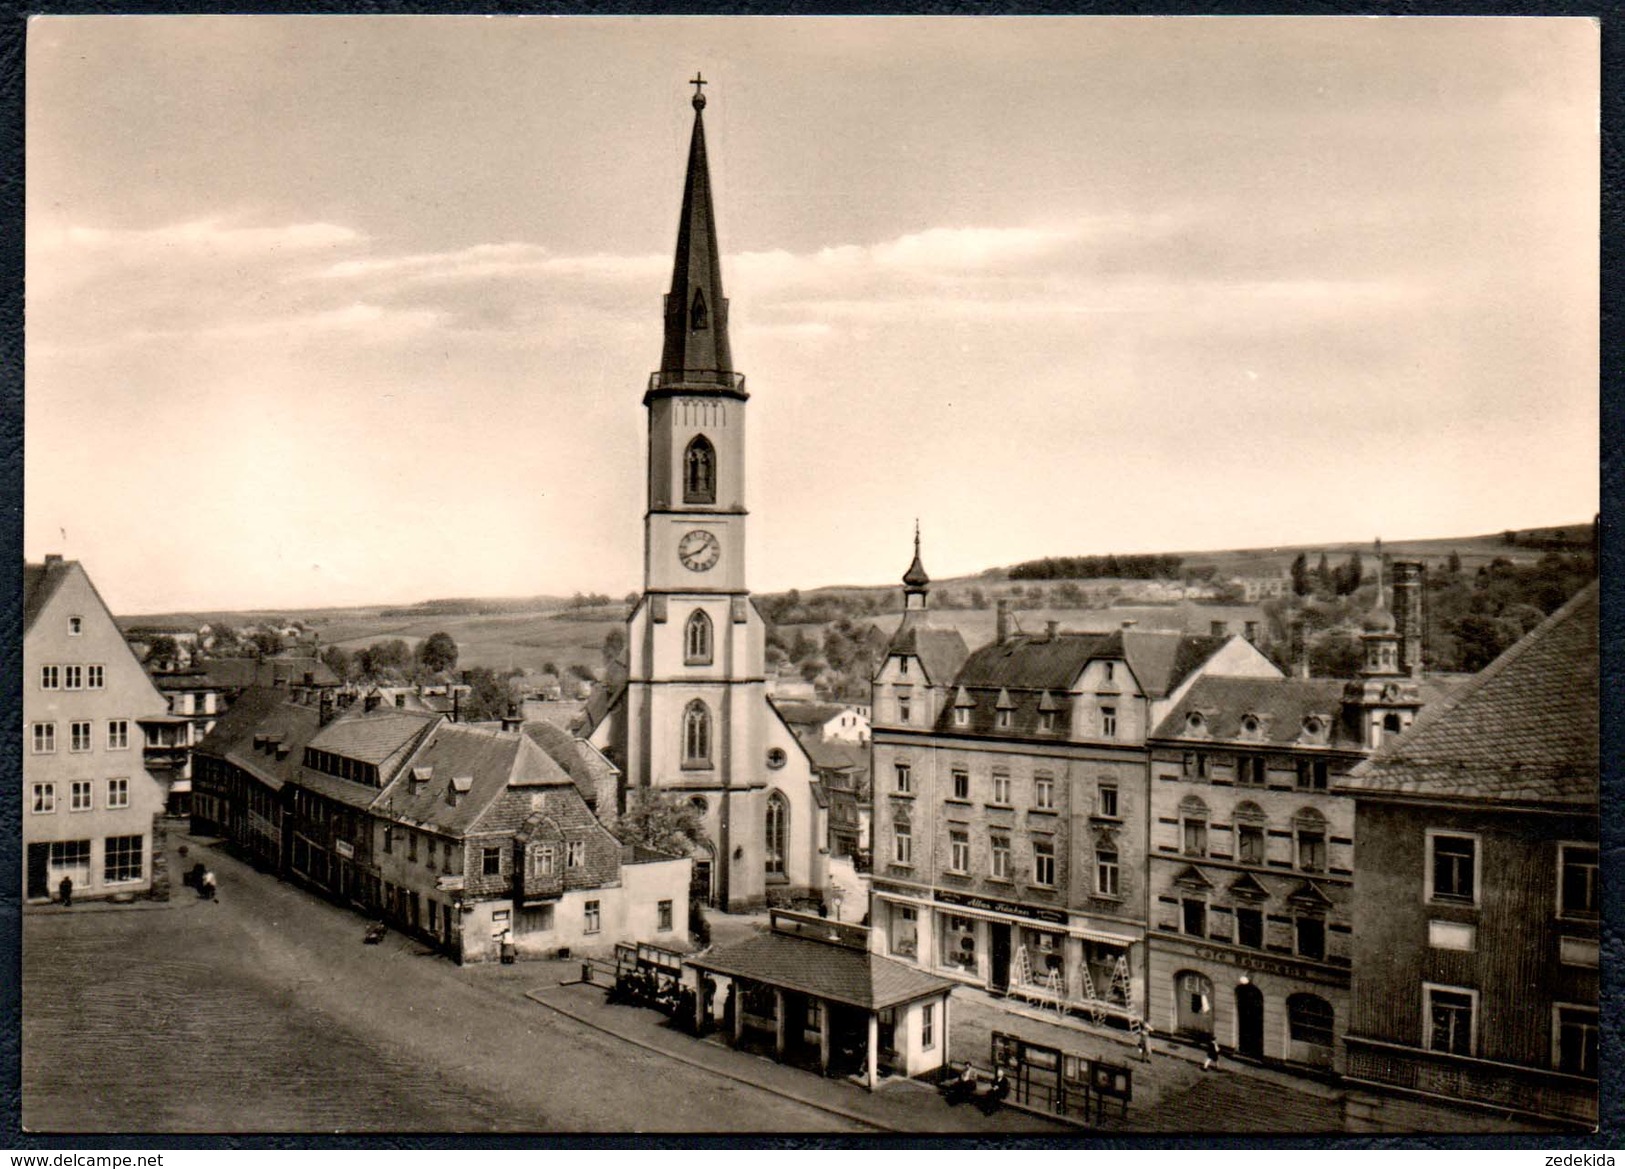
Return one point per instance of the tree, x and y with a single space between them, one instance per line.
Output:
663 821
163 650
1454 567
438 652
225 641
1346 579
1323 575
1300 574
267 643
614 647
337 659
487 698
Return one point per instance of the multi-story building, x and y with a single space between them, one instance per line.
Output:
90 795
693 715
483 838
1010 801
1252 845
1477 891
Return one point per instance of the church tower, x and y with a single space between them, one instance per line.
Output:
1383 700
694 718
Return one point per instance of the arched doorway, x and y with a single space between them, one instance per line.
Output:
1193 1003
1250 1020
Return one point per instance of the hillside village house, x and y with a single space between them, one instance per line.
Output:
1010 801
827 721
1477 891
91 796
1252 844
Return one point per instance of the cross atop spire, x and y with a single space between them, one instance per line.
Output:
699 83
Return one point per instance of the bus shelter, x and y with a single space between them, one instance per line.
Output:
814 987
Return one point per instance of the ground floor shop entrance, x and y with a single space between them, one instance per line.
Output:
1193 1004
1250 1020
999 957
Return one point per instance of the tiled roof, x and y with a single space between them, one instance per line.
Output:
382 736
854 977
1031 663
600 702
584 763
1162 660
805 713
1524 730
236 673
494 761
833 754
40 582
1280 705
941 652
261 710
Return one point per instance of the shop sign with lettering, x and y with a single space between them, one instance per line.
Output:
1260 963
970 901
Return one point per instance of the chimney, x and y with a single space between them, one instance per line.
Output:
1219 628
1051 629
511 721
370 702
1407 611
52 560
310 678
1250 631
325 708
1300 650
456 704
1001 625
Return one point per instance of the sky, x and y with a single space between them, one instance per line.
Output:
342 310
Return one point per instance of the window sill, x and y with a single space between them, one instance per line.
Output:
957 800
992 807
901 795
698 765
991 880
1106 819
1043 811
1452 902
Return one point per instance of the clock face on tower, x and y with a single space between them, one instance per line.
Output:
698 551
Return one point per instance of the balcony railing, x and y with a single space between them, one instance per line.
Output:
720 379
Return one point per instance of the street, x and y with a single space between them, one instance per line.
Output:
264 1012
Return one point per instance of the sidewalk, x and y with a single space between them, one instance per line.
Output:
899 1105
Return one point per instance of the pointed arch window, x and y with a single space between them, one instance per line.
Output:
700 471
777 834
697 317
697 735
697 639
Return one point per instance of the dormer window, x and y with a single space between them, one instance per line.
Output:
1004 719
1046 720
961 716
1194 722
1313 727
1249 726
902 667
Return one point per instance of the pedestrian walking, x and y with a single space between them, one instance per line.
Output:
1211 1063
206 889
65 890
1144 1045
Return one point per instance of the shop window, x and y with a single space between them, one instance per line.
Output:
959 943
904 931
122 859
1309 1019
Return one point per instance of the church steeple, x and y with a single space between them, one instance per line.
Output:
696 347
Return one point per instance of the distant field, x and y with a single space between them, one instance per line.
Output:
499 642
